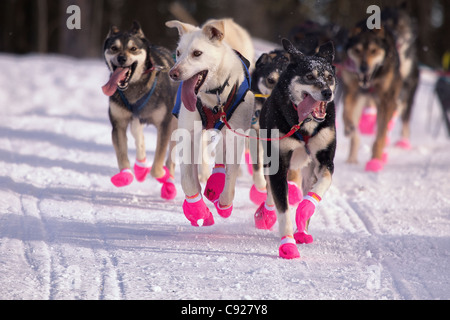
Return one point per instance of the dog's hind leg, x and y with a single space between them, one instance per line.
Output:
386 109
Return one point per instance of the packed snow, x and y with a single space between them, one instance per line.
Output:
67 233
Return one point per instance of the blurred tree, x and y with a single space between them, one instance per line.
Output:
40 25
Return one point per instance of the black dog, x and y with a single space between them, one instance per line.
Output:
301 107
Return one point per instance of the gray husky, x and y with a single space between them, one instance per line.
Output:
141 93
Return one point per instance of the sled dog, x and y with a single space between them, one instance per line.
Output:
372 73
215 87
141 93
268 69
301 107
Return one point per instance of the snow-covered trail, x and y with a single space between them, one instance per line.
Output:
67 233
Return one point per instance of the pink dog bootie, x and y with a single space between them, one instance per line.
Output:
196 211
303 237
257 196
248 162
122 179
295 194
265 217
168 189
305 210
403 144
215 183
224 212
141 169
288 248
374 165
368 121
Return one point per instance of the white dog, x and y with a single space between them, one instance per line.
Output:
215 82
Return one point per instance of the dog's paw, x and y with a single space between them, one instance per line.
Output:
141 170
265 217
168 191
303 238
224 212
198 213
374 165
215 184
403 144
295 194
122 179
257 196
288 248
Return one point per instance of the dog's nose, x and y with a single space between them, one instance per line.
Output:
327 94
121 60
174 74
364 67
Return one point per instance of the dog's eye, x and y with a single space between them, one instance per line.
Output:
197 53
310 77
330 78
114 48
133 49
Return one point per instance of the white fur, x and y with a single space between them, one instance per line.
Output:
222 63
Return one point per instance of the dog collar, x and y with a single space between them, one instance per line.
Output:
219 90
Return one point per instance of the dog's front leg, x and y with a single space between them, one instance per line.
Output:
385 112
194 208
319 179
120 143
278 190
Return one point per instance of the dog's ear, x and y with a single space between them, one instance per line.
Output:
291 49
113 31
214 30
263 59
137 30
326 51
182 27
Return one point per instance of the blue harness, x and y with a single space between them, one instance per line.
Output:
135 108
234 99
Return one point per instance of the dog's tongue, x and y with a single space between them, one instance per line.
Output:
306 107
111 86
188 95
